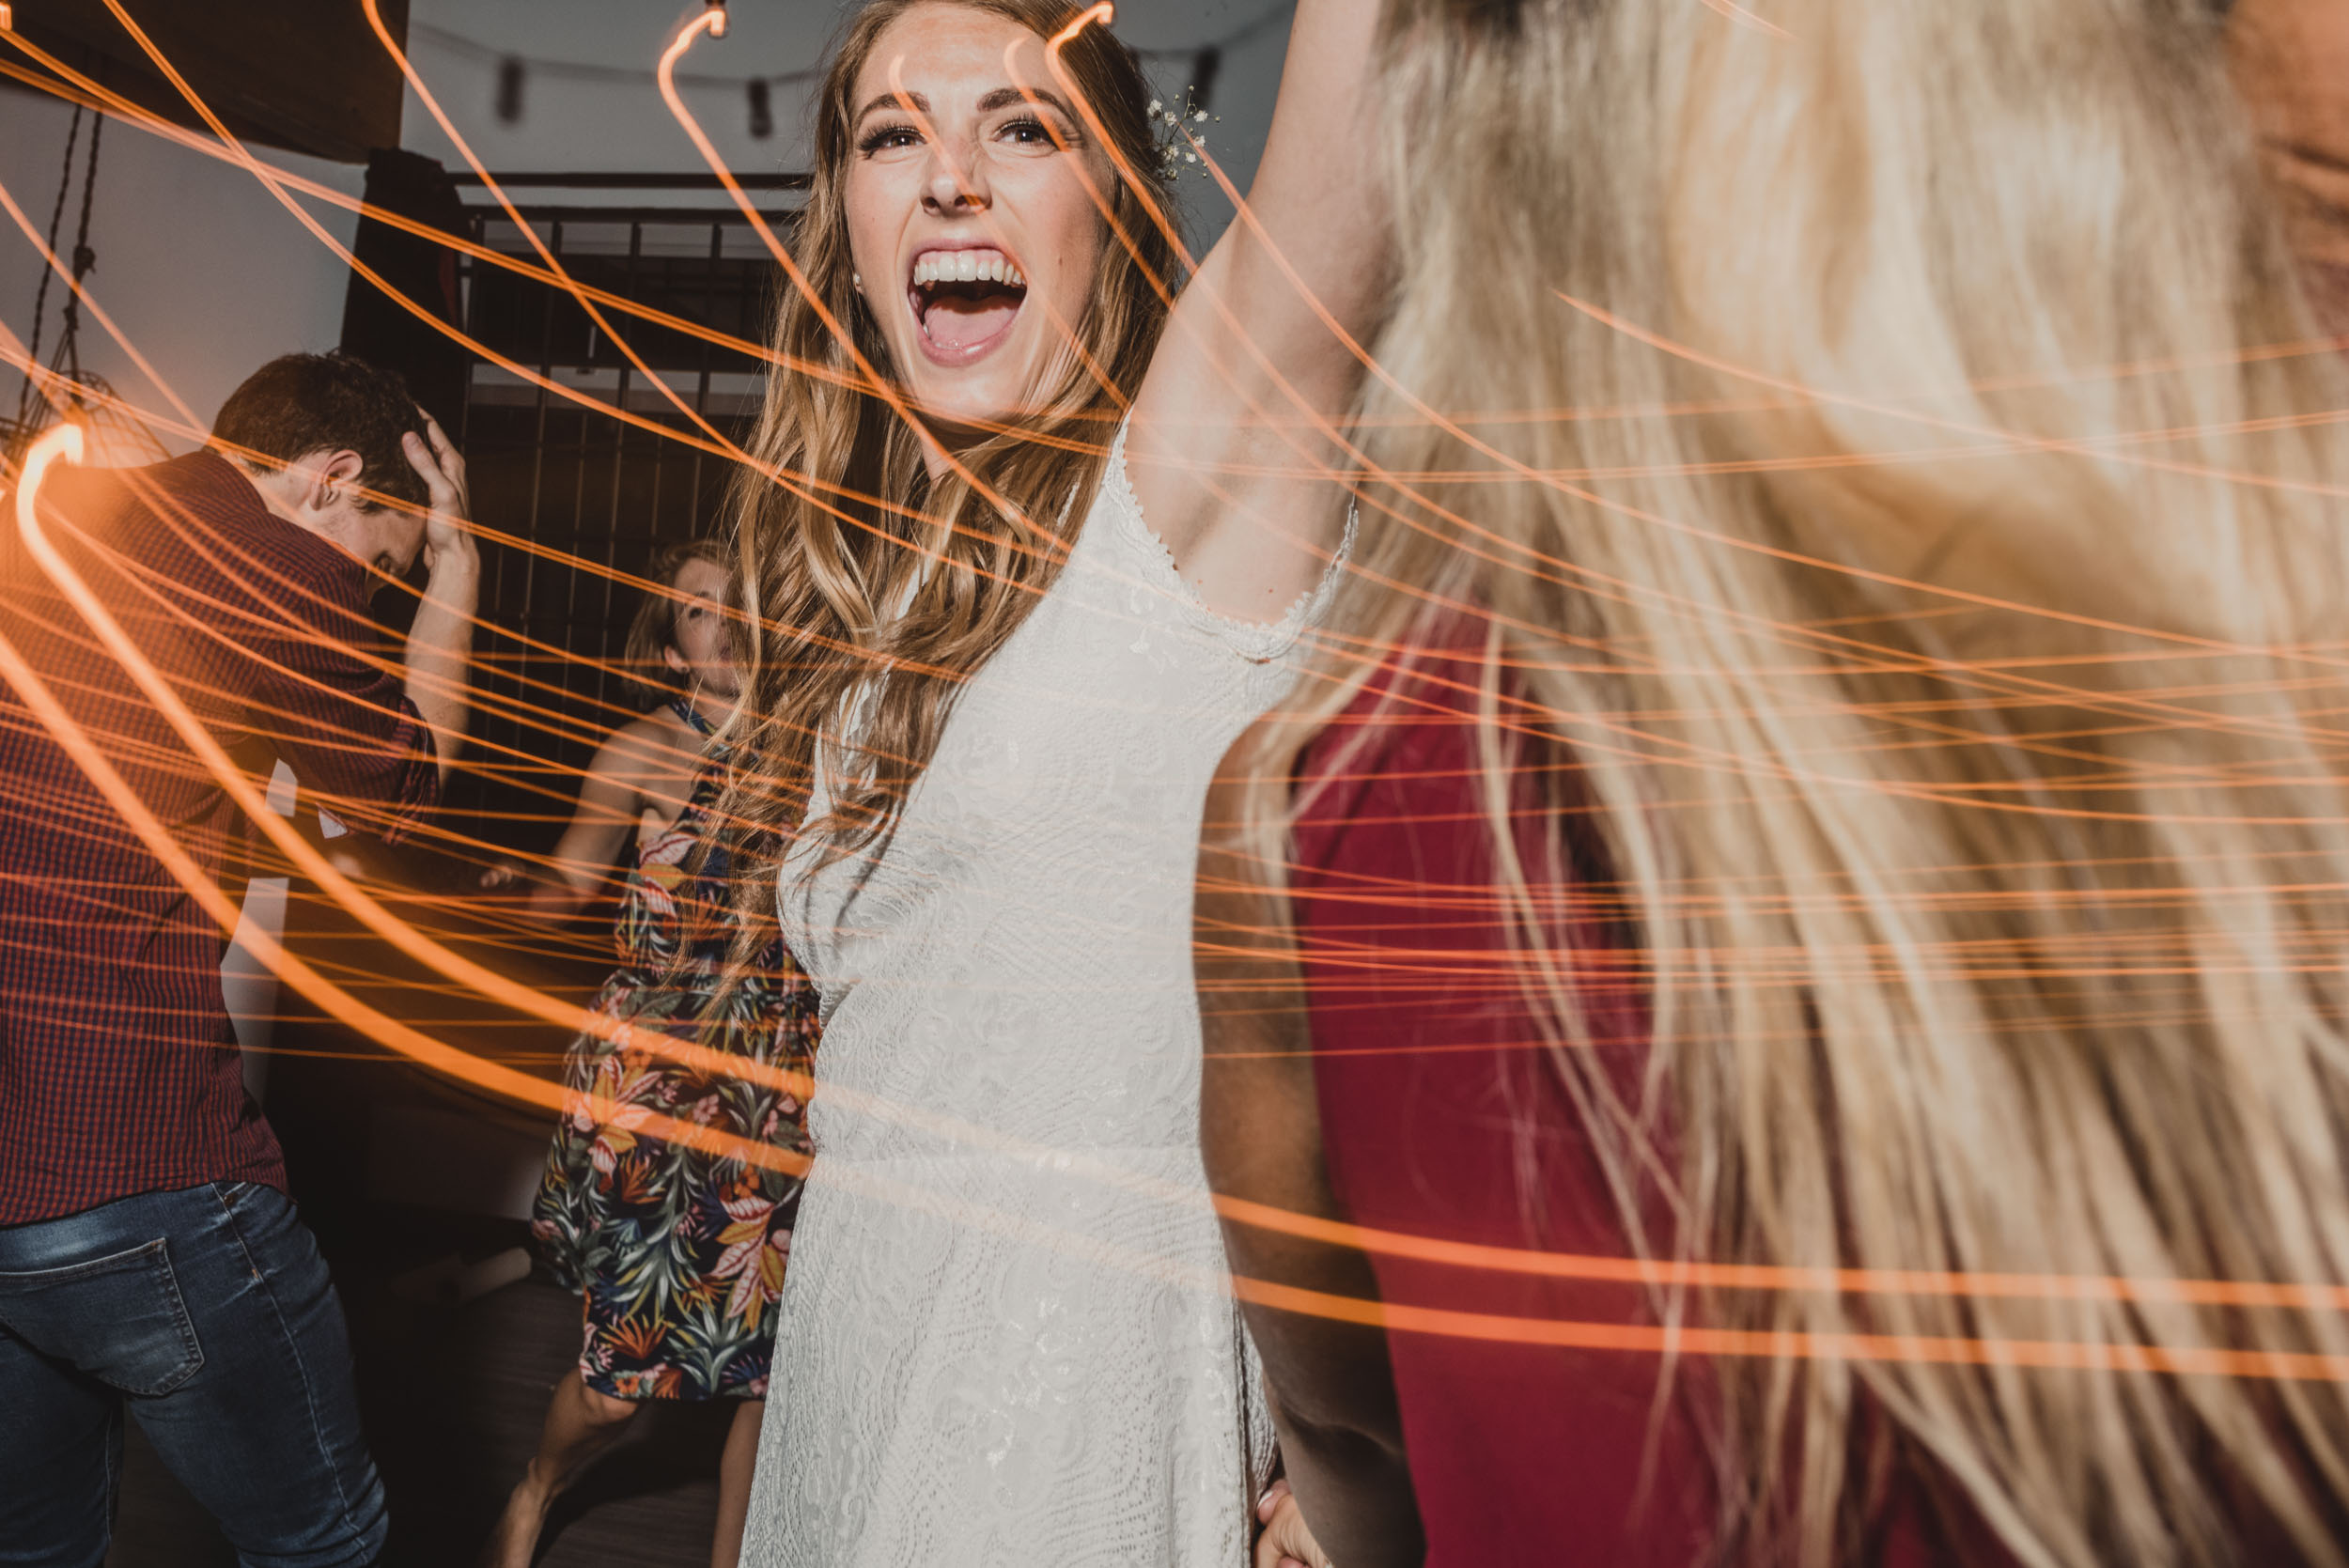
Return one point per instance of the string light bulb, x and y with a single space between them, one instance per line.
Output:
509 94
718 18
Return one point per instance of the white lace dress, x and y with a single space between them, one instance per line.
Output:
1006 1336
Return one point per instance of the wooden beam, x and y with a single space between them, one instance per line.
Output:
306 75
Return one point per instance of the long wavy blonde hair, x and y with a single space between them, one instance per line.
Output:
840 594
1886 444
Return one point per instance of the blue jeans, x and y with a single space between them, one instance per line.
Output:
210 1310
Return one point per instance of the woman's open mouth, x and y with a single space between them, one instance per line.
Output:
965 302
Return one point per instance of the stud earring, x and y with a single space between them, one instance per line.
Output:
859 277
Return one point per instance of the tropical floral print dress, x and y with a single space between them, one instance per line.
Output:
678 1253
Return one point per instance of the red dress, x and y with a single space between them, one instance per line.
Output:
1443 1117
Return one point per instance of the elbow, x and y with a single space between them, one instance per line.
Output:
1339 1427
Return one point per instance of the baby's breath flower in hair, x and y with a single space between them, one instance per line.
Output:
1180 143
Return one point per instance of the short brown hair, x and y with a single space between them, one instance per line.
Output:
298 404
655 625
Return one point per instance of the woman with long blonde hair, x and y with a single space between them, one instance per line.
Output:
1035 525
1814 843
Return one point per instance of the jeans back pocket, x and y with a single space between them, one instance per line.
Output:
119 1319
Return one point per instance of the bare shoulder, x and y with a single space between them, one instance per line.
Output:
654 749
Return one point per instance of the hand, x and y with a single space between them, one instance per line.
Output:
435 458
503 875
1285 1542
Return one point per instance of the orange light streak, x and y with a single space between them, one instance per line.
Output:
1536 722
1313 419
1745 18
2039 1355
97 312
269 180
94 95
272 180
1069 334
530 232
2039 444
1534 717
1591 583
65 441
1103 15
403 936
32 484
12 349
406 939
665 73
73 88
1245 216
392 666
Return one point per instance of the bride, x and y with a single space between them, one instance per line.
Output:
1047 533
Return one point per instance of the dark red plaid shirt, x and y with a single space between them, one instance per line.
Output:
119 1065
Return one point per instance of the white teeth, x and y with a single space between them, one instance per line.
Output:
967 267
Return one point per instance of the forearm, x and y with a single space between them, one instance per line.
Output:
563 894
574 872
1331 1387
439 650
1354 1488
1314 251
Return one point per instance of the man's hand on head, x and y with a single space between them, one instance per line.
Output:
448 535
439 640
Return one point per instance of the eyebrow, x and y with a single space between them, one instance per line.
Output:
1002 98
895 100
1006 97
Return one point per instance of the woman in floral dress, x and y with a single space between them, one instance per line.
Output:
678 1254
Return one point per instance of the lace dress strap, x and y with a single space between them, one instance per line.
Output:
1259 642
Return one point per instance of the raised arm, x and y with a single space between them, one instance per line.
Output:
610 805
440 640
1257 353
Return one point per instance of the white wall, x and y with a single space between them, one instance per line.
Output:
570 124
196 262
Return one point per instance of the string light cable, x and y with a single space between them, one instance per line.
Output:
514 69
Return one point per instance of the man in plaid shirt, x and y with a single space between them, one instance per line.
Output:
148 1248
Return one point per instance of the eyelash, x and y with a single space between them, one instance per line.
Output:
883 137
878 139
